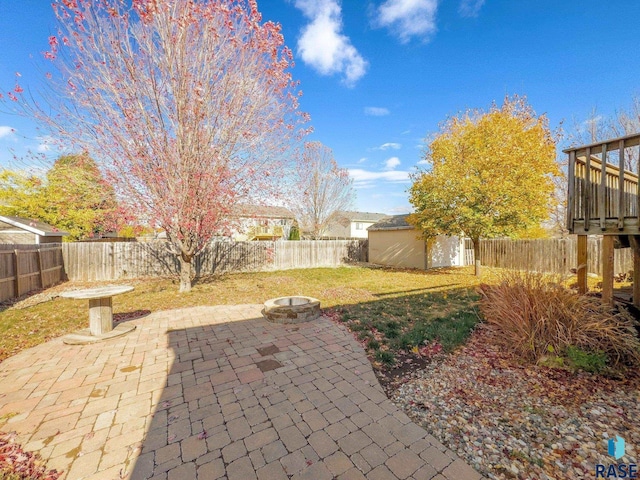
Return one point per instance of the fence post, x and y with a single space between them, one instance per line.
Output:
16 270
40 267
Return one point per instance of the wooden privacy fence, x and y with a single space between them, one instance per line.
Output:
24 268
91 261
551 255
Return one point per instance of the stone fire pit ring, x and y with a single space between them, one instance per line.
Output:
295 309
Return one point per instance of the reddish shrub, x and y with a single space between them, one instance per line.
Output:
532 315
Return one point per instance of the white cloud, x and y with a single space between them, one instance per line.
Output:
423 162
400 210
392 163
590 123
46 143
322 44
387 146
376 111
362 160
470 8
366 179
409 18
6 131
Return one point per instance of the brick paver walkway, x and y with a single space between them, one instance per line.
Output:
216 392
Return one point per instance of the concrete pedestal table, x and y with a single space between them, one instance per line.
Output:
100 314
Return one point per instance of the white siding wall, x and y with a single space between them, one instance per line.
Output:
446 251
356 233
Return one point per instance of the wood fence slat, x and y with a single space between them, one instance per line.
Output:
101 261
557 256
40 269
24 268
16 272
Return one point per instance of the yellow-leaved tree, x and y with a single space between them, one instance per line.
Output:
73 197
489 174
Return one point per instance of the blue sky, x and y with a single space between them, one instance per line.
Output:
378 76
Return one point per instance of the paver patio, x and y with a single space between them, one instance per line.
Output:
216 392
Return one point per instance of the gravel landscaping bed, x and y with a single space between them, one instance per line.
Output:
510 420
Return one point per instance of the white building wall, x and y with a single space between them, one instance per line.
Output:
362 232
445 251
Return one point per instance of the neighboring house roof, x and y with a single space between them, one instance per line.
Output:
362 216
263 211
33 226
394 222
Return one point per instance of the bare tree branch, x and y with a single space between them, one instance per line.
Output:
321 189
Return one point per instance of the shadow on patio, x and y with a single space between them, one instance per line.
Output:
250 399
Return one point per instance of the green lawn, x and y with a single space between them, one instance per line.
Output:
390 310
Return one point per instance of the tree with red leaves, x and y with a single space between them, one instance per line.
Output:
188 105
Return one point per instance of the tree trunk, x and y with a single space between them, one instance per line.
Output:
476 255
185 272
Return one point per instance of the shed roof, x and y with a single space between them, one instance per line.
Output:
30 225
392 222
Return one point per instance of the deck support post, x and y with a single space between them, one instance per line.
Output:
582 264
634 240
607 268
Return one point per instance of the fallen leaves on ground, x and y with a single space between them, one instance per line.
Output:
22 465
509 419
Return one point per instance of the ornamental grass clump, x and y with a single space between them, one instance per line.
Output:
536 316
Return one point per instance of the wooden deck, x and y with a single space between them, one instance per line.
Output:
271 233
603 199
603 204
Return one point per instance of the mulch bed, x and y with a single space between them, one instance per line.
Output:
515 421
392 378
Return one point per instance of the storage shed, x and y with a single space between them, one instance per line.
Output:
27 231
395 243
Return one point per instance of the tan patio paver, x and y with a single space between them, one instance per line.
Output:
215 392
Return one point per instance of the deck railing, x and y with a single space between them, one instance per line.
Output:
266 232
596 203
